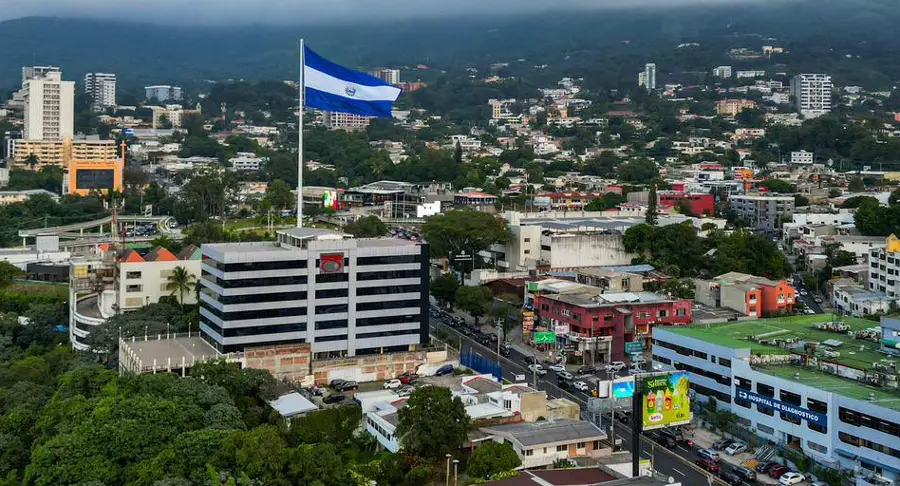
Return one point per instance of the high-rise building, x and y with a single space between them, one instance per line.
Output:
101 88
722 72
650 76
37 72
390 76
812 94
346 121
162 92
49 107
342 296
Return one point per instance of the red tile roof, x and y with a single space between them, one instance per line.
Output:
131 256
160 254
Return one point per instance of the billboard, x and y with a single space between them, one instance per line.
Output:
330 200
665 400
623 387
544 337
527 322
561 328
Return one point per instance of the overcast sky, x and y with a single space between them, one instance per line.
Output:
188 12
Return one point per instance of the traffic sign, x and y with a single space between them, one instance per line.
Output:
634 347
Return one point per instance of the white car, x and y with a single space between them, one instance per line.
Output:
803 292
536 368
565 375
735 448
557 367
392 384
580 385
789 478
614 367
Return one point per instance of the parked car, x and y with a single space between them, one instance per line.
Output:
731 478
347 386
635 369
566 385
721 444
336 383
675 433
530 360
707 464
564 375
582 386
614 367
444 370
557 367
392 384
710 454
538 369
334 398
317 391
764 467
790 478
746 473
407 378
663 439
735 448
505 351
778 471
405 391
586 370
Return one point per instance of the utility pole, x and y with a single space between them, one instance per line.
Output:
636 426
499 340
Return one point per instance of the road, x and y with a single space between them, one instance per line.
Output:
807 300
678 464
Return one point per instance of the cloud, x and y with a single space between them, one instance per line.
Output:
286 12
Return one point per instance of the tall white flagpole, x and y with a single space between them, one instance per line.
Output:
302 99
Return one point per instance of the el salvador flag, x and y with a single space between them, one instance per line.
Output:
331 87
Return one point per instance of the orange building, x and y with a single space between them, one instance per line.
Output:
86 175
750 295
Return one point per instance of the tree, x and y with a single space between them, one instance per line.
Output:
684 207
455 232
443 289
474 300
777 185
894 197
800 200
8 272
32 161
859 201
180 282
457 154
367 227
856 185
491 458
874 220
639 171
334 426
433 423
279 195
596 204
833 193
652 212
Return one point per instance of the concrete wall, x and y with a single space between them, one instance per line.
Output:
586 250
534 406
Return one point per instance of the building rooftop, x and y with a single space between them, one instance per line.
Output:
159 354
292 404
483 385
548 432
786 336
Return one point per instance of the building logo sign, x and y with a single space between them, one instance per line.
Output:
783 407
331 263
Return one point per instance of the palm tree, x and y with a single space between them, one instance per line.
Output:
181 281
32 160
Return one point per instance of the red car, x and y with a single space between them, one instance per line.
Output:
407 377
710 466
777 471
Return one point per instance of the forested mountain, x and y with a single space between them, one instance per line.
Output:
854 40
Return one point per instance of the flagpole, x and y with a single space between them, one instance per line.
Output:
302 99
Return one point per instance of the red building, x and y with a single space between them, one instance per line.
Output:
609 320
701 204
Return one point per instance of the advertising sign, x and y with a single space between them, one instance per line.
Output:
561 328
331 262
544 337
330 200
783 407
665 401
527 321
623 387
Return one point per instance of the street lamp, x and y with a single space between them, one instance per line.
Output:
447 480
455 472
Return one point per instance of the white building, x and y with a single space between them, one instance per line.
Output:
850 298
884 268
162 93
346 121
466 143
722 72
647 78
749 74
390 76
101 88
49 107
764 212
247 161
812 94
802 157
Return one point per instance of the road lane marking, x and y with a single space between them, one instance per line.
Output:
679 472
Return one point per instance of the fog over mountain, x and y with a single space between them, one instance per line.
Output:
283 12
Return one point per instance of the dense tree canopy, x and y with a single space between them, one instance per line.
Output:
366 227
433 423
454 232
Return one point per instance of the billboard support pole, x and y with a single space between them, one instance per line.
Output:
636 425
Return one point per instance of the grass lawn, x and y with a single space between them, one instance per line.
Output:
59 290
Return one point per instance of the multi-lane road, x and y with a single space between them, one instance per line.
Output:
677 464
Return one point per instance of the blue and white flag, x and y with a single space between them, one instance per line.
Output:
331 87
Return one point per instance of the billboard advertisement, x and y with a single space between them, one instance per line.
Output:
527 322
544 337
623 387
330 200
665 400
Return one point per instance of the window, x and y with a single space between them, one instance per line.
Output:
527 252
331 309
388 260
331 293
663 313
817 447
789 418
387 305
662 360
742 402
765 390
816 406
529 452
680 312
332 277
131 275
134 288
726 363
817 428
742 383
596 445
699 354
339 337
580 445
765 428
562 448
790 397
